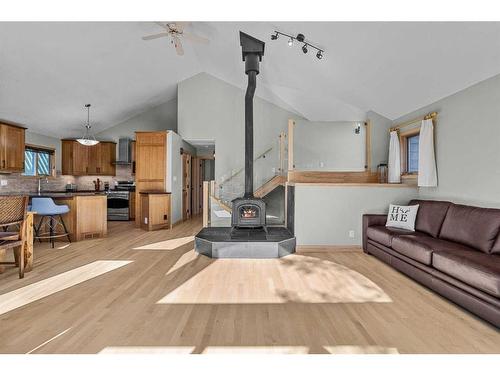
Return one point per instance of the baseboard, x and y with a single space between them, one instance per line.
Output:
305 249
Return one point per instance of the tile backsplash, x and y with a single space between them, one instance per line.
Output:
17 183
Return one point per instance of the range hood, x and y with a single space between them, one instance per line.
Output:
124 152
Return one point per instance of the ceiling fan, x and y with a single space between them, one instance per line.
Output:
176 32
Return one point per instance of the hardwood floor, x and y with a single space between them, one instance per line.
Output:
166 299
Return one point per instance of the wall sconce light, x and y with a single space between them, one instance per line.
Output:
300 38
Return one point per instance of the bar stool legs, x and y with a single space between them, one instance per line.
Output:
52 221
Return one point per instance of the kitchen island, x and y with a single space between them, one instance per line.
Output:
87 217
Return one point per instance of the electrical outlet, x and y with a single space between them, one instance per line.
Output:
321 164
351 234
3 182
145 220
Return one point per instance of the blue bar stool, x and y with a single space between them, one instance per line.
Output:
51 214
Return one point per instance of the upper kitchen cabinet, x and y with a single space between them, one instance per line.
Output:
11 148
80 160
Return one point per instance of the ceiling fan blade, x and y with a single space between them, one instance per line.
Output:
154 36
195 38
162 24
178 45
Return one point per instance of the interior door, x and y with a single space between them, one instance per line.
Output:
196 185
186 186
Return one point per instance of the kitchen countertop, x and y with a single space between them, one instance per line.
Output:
58 194
154 192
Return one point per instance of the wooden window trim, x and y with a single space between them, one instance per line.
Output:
403 145
52 152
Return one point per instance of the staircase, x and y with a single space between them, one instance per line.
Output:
270 185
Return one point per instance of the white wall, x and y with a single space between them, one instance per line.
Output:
211 109
174 174
467 145
379 138
162 117
324 215
331 146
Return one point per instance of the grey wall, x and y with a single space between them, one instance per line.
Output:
331 146
211 109
467 145
162 117
379 138
326 214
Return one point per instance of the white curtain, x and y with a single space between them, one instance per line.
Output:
427 175
394 159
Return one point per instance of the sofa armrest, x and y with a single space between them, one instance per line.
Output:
372 220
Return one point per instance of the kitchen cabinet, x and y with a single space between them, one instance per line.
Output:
11 148
131 205
151 165
80 160
155 210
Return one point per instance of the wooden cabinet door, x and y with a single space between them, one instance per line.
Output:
67 157
94 159
107 160
80 159
12 148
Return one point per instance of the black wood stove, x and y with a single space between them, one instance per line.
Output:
248 236
248 211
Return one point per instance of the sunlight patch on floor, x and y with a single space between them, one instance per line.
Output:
49 340
167 245
256 350
186 258
147 350
33 292
353 349
293 279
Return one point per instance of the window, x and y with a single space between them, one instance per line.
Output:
38 161
412 153
409 141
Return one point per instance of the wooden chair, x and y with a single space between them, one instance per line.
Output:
12 212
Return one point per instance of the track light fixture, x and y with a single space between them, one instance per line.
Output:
300 38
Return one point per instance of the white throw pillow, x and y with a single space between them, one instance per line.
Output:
402 217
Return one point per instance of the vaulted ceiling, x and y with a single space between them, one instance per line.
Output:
48 71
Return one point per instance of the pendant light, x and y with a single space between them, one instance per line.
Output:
88 139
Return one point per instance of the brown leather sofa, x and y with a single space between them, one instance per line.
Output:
455 251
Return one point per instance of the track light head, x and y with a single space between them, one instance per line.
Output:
290 42
300 37
319 55
274 37
304 48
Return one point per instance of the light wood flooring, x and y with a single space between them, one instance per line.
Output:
148 292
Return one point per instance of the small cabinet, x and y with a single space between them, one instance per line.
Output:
11 148
80 160
155 210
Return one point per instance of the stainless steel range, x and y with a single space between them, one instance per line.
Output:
119 201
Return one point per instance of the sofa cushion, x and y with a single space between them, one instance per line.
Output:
496 246
471 267
384 235
472 226
430 215
420 246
